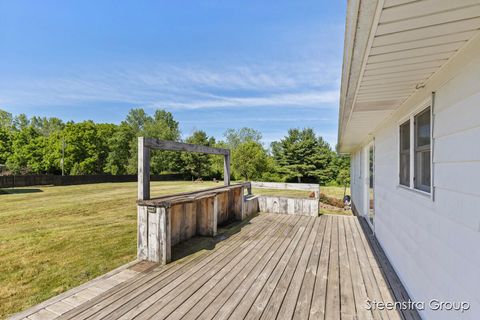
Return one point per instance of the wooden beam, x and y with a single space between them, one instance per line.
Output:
226 169
143 170
153 143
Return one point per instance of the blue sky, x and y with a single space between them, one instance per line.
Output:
269 65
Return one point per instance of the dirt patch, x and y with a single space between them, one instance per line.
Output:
334 202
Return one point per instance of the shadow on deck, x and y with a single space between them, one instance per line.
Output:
274 266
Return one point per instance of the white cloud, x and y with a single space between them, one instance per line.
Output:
288 99
185 87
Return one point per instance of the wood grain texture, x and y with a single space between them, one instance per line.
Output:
276 267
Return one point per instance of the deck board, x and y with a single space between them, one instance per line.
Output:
274 267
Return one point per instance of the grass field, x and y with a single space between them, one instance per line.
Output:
55 238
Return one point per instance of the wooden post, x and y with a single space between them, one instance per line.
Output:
165 235
143 170
226 169
249 188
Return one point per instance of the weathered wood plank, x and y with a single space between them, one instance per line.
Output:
226 169
347 299
194 301
59 307
370 284
263 298
169 271
154 250
286 305
179 146
228 299
143 170
302 309
279 267
222 206
359 291
317 308
287 186
142 236
205 216
265 280
165 235
43 315
332 310
164 297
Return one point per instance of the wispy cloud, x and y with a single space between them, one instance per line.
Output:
280 100
182 87
258 119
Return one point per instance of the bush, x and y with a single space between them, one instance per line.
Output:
272 177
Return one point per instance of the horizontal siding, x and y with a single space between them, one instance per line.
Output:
454 149
435 245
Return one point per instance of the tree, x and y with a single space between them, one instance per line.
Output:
249 160
26 151
21 121
197 165
342 166
302 156
236 137
6 120
46 126
137 119
163 126
85 147
343 177
119 150
5 144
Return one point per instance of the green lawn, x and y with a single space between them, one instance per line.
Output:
55 238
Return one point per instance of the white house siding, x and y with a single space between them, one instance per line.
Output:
434 245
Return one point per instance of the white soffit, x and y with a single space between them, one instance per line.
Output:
412 40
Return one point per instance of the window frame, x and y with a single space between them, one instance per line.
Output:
421 149
402 151
410 118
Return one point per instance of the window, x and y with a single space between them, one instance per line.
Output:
422 151
418 128
405 154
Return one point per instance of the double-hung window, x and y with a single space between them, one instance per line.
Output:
416 153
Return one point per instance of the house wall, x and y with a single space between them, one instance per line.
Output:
434 243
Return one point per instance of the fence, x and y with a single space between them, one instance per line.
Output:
47 179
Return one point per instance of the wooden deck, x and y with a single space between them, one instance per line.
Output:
275 266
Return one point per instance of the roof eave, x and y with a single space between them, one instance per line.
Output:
359 24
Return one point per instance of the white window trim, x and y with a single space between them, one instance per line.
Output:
411 117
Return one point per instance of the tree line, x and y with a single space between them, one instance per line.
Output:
46 145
